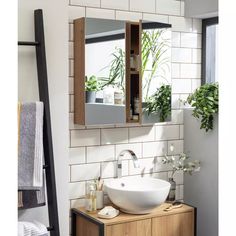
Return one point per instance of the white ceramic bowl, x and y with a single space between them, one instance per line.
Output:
136 195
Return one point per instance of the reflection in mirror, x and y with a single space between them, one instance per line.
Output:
104 71
156 72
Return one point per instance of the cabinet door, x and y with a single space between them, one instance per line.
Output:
135 228
174 225
85 227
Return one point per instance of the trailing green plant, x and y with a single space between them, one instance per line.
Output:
116 70
91 83
154 47
160 102
205 104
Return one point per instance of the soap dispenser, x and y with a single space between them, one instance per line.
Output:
90 199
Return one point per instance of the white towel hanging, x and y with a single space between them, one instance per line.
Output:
34 228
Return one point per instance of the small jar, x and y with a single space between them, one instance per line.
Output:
99 197
136 105
131 112
132 60
118 97
90 198
108 95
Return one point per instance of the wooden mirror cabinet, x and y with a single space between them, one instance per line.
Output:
108 57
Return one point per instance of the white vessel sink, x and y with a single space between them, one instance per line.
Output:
136 195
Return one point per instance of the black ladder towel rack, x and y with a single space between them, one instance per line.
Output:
47 134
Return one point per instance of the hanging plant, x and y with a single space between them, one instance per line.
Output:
205 104
160 102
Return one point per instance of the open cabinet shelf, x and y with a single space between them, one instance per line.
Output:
133 72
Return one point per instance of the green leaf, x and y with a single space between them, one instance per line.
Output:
205 104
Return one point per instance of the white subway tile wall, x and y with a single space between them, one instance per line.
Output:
143 6
94 149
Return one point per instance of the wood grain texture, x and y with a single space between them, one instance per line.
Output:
136 228
124 217
85 227
140 72
174 225
127 69
79 71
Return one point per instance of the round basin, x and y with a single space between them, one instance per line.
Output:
136 195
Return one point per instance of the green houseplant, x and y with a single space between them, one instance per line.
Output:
160 102
205 104
91 87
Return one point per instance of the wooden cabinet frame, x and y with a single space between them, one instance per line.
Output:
79 71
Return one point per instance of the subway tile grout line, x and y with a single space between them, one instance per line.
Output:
124 159
137 142
128 11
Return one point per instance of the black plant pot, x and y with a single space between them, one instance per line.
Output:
90 96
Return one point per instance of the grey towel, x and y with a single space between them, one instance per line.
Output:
30 152
31 198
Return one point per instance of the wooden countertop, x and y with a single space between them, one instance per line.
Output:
124 217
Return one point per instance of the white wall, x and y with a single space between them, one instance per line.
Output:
201 8
201 189
56 37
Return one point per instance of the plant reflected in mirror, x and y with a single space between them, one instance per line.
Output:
155 59
116 67
160 102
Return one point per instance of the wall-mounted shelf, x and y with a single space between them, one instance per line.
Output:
133 72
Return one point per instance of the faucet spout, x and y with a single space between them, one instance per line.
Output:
119 163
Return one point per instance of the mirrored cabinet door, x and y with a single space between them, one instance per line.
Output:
156 72
100 57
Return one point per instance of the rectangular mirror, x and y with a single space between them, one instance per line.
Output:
104 71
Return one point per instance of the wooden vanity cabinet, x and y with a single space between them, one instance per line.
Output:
178 222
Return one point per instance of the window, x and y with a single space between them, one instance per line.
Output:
210 50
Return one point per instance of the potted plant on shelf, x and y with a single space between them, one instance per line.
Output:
205 101
159 103
179 162
91 87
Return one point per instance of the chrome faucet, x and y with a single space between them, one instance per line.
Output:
119 161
